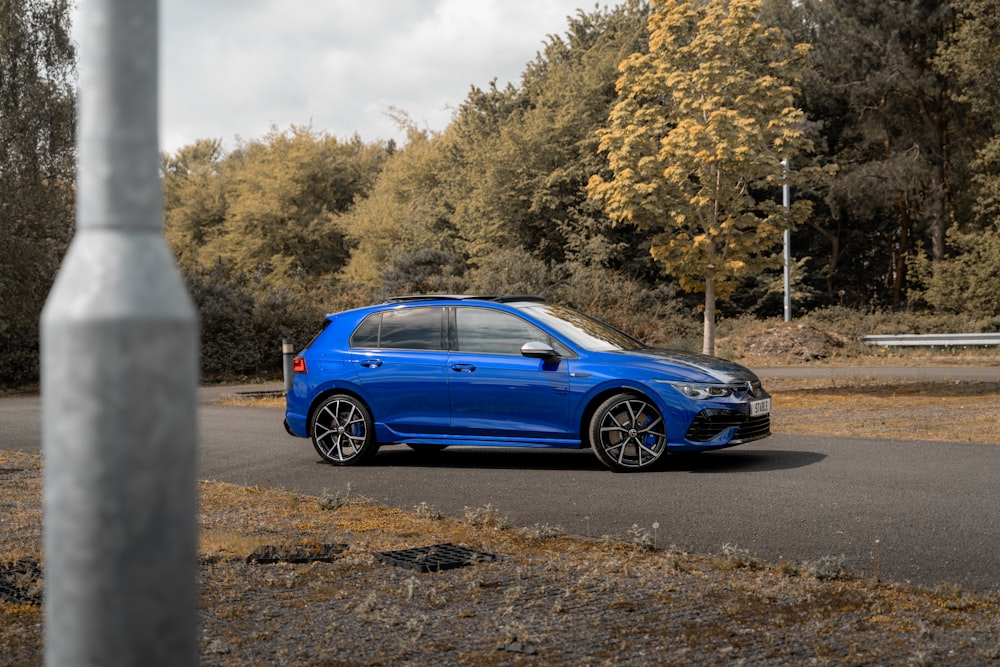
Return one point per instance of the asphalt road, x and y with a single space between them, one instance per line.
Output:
933 507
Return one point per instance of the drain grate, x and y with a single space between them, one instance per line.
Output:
435 558
21 582
312 553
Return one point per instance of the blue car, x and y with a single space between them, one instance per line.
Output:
430 372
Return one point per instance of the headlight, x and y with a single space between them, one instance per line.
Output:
701 391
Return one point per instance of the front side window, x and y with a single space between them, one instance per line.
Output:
402 329
485 331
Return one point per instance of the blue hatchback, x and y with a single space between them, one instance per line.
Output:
430 372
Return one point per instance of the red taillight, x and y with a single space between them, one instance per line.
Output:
299 365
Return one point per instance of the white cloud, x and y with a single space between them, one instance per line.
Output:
236 67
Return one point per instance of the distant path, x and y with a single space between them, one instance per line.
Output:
932 506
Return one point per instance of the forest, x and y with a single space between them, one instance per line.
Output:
635 172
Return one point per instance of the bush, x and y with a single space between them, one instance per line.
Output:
655 314
243 323
19 357
855 323
966 282
425 271
512 271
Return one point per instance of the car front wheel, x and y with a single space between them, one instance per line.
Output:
342 431
627 433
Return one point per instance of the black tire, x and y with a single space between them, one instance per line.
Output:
342 431
628 433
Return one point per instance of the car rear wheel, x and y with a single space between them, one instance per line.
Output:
342 431
627 433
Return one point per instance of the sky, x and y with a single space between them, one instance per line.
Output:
232 69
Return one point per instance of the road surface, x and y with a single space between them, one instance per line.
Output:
933 508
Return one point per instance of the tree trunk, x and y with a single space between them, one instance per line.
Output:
901 253
939 211
834 239
708 342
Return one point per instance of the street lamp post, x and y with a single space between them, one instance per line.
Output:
786 197
119 380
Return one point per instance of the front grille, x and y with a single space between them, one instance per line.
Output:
710 423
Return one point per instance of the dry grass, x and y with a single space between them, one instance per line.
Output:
869 408
551 599
252 399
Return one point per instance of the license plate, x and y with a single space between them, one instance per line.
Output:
761 407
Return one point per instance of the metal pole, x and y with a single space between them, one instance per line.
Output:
287 357
119 380
787 200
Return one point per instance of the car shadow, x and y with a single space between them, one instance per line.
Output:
742 460
500 458
503 458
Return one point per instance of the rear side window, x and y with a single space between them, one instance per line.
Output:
366 335
403 329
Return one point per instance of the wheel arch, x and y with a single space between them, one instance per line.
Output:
595 400
320 397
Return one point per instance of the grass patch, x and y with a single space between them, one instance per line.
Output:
870 408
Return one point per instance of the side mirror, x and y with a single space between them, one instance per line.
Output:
538 350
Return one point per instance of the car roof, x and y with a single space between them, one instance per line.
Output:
420 298
465 297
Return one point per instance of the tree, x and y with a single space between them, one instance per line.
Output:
521 156
970 57
695 143
404 213
37 162
894 132
194 199
270 208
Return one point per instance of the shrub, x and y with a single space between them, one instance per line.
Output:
966 282
243 323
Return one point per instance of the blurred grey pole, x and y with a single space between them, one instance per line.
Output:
287 357
786 196
119 380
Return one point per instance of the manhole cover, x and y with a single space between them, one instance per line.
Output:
322 553
21 582
435 558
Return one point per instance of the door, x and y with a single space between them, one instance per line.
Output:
498 393
400 359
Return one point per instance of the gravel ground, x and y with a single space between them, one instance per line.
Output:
547 599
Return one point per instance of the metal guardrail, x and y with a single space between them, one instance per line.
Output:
942 340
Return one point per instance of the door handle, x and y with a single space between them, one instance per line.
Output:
463 368
371 363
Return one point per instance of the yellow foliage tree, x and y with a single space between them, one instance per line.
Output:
405 211
696 140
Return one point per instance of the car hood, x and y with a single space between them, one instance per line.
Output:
722 370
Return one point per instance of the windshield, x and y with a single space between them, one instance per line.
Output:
583 330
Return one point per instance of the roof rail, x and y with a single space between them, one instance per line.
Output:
424 297
463 297
517 297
